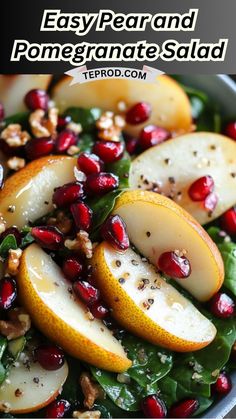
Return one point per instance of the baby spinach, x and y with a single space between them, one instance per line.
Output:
86 117
150 364
18 118
228 253
86 142
9 242
121 169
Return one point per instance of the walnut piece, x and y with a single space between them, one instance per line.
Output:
18 324
81 243
61 221
110 126
88 414
73 126
42 125
16 163
13 261
14 136
90 389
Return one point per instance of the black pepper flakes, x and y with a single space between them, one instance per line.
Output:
171 180
233 174
18 392
148 234
36 380
11 208
121 280
118 263
134 262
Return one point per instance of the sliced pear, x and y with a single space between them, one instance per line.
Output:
170 105
13 89
146 304
156 224
175 164
45 293
29 389
27 195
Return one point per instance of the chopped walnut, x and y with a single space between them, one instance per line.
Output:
13 261
73 149
42 125
81 243
88 414
18 324
61 221
5 407
2 224
73 126
16 163
14 136
90 389
110 126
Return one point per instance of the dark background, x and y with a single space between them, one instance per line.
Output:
21 20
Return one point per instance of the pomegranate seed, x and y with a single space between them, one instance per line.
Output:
49 356
89 163
152 135
228 221
114 231
210 202
230 130
64 140
201 188
9 151
14 231
98 310
57 409
139 113
221 305
1 176
173 265
39 147
63 121
37 99
86 292
48 237
8 292
109 151
131 145
153 407
72 268
101 183
82 215
223 384
184 409
67 194
2 113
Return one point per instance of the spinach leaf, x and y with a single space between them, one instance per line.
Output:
86 117
86 142
3 346
102 208
18 118
204 111
70 388
27 239
9 242
121 169
228 253
150 364
109 410
3 373
216 234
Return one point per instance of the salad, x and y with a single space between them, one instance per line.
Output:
117 252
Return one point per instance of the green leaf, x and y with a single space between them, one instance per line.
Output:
102 208
3 346
18 118
27 239
86 117
216 234
2 373
8 243
121 169
70 388
228 253
86 142
150 364
204 405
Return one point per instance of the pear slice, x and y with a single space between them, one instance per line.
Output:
175 164
47 297
170 105
13 89
156 224
29 387
27 195
146 304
